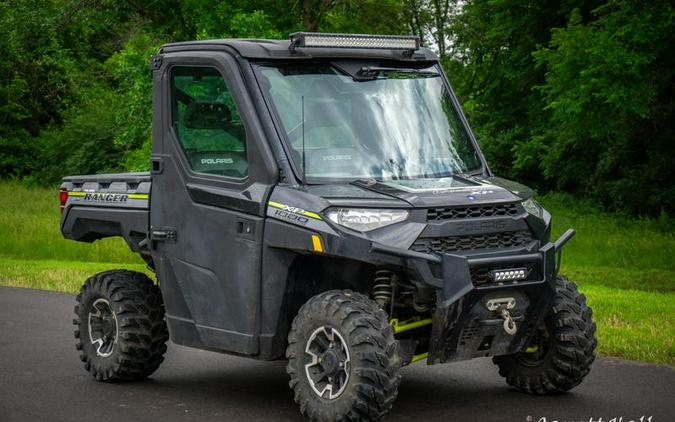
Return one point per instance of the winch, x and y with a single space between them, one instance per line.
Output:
502 306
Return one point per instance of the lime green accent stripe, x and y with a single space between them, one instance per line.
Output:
400 327
421 356
130 195
294 210
276 204
311 214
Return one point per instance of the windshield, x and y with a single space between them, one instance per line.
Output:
395 124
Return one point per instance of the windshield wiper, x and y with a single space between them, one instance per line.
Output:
360 73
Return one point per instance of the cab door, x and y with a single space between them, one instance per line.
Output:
211 175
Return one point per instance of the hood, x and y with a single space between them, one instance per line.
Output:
422 193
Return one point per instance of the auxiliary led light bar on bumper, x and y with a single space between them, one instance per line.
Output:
512 274
385 42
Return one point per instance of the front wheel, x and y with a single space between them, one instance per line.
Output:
562 351
343 359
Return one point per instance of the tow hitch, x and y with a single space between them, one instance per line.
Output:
501 306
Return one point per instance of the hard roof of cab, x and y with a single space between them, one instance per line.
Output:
280 49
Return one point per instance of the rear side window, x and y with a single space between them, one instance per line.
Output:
207 123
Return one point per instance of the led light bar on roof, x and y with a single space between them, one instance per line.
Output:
385 42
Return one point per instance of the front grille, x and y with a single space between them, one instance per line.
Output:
477 211
466 243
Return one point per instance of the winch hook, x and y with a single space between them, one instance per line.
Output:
509 324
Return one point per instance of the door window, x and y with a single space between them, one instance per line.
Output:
207 123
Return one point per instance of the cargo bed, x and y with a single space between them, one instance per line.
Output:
104 205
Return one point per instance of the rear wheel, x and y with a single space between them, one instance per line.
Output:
562 351
120 329
343 359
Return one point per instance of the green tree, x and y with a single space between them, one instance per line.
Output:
34 80
572 95
609 90
493 72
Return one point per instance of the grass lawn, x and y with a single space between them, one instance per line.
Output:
626 267
633 324
59 276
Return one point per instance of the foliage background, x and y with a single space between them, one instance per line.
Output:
573 97
564 95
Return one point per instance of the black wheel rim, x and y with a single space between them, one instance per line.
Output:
103 330
327 362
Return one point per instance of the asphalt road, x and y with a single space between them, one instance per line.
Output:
41 378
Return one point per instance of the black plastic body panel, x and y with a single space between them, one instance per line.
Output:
461 309
210 269
87 224
106 205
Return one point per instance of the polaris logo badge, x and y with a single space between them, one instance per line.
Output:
336 158
481 227
211 161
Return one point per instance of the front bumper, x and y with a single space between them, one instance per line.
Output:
462 326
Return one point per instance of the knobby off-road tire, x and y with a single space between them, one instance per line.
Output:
565 347
371 377
120 328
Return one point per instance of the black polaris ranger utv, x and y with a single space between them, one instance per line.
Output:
323 200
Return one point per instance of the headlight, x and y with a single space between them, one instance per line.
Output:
533 207
366 219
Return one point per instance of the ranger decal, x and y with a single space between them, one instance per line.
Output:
107 197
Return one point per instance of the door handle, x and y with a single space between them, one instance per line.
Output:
163 235
245 228
156 165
